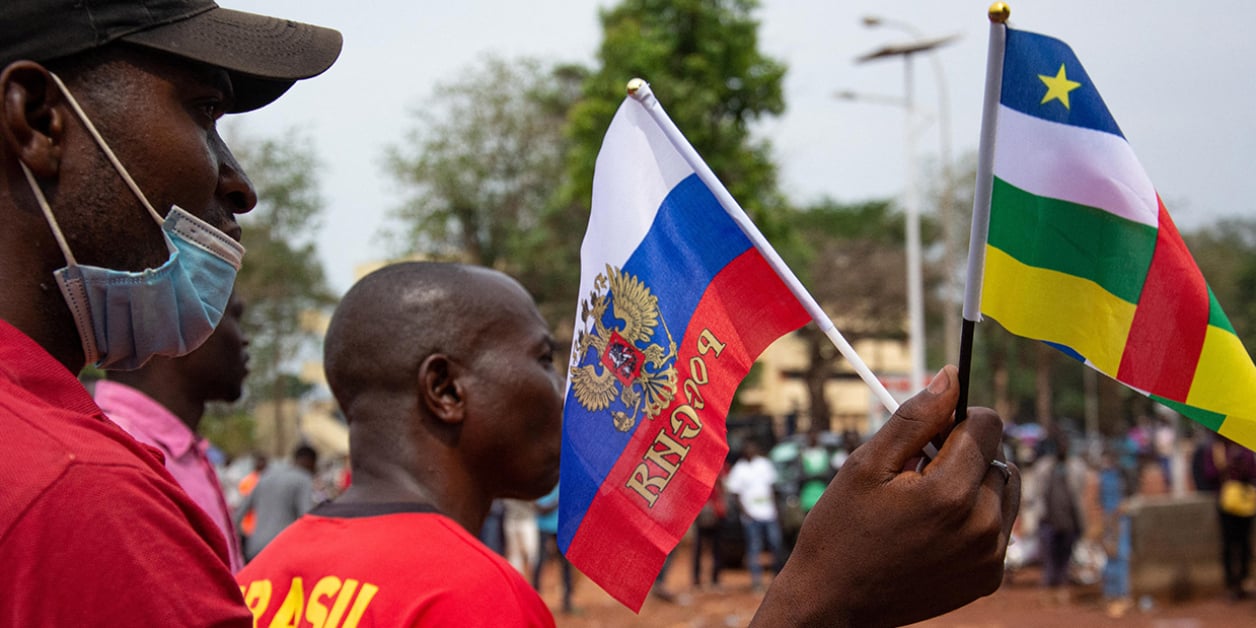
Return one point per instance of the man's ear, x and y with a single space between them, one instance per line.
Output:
441 388
32 122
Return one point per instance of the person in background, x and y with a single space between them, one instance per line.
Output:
248 522
1232 462
161 404
345 477
753 480
1163 440
1061 482
547 527
1113 491
519 524
707 531
817 470
119 243
659 589
1203 474
1152 479
283 493
493 532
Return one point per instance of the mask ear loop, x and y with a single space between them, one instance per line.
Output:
100 141
80 309
47 209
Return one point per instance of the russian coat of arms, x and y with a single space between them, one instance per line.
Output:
616 353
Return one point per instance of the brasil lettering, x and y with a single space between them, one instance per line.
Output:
670 446
330 603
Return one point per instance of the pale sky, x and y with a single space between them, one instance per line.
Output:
1178 80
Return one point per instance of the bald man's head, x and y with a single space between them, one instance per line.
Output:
434 359
395 317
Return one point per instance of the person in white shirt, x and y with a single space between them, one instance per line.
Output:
752 479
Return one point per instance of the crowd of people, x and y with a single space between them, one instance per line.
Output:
1074 524
1075 520
120 246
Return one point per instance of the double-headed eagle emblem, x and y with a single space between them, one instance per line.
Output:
615 353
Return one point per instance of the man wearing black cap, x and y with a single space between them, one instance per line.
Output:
117 197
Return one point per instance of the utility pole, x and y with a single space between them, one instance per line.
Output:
915 280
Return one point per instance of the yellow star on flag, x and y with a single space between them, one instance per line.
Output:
1058 87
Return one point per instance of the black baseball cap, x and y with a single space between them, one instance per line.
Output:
264 55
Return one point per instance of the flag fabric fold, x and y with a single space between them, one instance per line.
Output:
675 305
1081 252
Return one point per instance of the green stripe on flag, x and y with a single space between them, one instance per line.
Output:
1216 316
1210 420
1073 239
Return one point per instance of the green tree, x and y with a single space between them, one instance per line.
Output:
229 428
482 167
1226 254
282 277
702 60
852 259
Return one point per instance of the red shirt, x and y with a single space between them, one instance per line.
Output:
185 453
359 566
93 530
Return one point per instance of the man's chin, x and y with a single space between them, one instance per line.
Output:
552 480
543 484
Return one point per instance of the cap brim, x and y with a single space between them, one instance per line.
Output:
265 55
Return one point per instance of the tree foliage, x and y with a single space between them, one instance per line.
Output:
1226 254
702 60
282 277
230 428
481 168
498 164
852 260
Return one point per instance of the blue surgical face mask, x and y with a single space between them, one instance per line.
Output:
123 317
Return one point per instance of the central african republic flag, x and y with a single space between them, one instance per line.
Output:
1082 254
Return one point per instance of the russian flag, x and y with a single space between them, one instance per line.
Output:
676 303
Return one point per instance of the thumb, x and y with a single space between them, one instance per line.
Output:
916 422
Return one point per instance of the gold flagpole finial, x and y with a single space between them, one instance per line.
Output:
634 85
999 12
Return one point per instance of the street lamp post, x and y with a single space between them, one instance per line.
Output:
952 247
915 281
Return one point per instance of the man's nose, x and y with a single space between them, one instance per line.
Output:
233 183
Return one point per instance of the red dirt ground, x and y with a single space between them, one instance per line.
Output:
1018 604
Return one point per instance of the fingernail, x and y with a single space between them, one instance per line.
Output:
940 382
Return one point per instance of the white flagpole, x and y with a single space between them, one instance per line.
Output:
998 14
640 91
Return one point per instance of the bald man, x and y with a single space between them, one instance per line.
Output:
446 375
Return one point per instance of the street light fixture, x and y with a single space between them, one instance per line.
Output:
915 281
879 99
